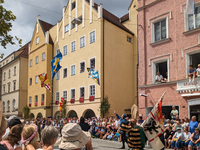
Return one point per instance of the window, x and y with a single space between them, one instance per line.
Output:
37 40
193 20
8 87
14 104
92 37
9 73
194 60
65 95
57 51
8 103
15 70
58 75
160 68
82 92
82 42
3 63
73 70
129 39
92 90
30 81
4 107
73 5
64 72
4 88
36 79
92 63
43 56
65 50
57 96
37 60
36 98
72 25
4 76
73 46
80 18
42 98
31 63
14 85
7 61
82 67
30 99
12 58
72 93
66 28
160 30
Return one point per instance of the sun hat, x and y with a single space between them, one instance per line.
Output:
178 128
73 137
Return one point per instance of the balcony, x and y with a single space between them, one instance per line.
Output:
81 99
91 98
72 100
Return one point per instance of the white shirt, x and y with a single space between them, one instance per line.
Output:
198 69
186 136
159 77
6 133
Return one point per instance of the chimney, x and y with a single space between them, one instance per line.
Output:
100 11
47 38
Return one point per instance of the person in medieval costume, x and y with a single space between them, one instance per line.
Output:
136 137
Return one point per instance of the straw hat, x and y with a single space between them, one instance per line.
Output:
73 137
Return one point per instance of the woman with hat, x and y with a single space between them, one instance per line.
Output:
194 140
177 139
73 138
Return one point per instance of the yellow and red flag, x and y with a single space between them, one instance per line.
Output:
61 104
45 82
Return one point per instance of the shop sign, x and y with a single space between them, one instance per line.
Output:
183 87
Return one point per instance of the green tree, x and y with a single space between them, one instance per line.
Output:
6 16
26 111
105 106
63 114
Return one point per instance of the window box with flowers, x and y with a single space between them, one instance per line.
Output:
72 100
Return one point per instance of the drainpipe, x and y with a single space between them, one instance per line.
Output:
52 86
103 56
137 60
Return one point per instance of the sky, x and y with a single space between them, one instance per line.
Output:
50 11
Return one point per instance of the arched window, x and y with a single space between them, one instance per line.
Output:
14 104
4 107
8 106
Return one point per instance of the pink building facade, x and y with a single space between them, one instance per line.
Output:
168 42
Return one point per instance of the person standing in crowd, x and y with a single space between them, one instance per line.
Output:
174 112
84 126
141 119
194 140
123 133
193 124
38 123
61 125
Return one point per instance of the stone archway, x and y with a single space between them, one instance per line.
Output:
39 115
32 116
89 113
57 115
72 114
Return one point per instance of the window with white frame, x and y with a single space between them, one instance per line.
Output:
4 76
129 39
30 100
160 30
66 28
43 56
9 72
160 71
36 79
73 70
8 87
7 61
64 72
193 59
57 51
92 90
72 93
92 37
14 85
72 25
65 50
37 40
193 20
82 67
73 46
82 42
8 104
82 92
36 98
42 98
4 107
57 96
4 88
65 95
37 60
31 63
58 75
92 63
15 70
14 104
73 5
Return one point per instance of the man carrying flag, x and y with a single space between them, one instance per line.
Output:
45 82
55 64
94 75
153 126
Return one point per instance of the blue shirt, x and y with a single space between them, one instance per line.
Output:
121 120
193 126
192 71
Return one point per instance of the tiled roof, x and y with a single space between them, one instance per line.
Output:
45 27
25 50
124 18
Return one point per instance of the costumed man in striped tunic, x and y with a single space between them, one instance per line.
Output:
136 137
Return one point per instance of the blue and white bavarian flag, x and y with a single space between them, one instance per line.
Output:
94 75
55 64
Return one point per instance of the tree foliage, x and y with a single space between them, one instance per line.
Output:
6 16
26 111
63 114
105 106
